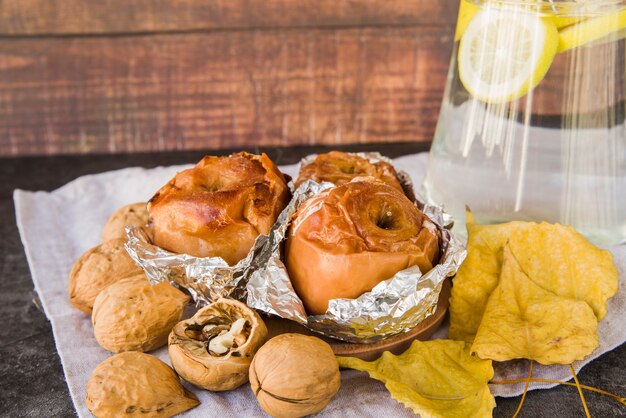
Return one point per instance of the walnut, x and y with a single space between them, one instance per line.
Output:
294 375
135 384
129 215
134 315
96 269
214 348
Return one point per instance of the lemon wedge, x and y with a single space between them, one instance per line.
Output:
591 30
506 52
467 11
565 21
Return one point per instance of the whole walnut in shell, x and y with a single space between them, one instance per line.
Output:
294 375
96 269
135 384
135 214
134 315
214 349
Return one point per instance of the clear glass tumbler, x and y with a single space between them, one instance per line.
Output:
533 120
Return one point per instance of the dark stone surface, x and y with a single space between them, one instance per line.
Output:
32 383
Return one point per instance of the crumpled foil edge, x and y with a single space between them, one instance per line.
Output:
205 278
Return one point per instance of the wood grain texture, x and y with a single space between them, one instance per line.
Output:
223 89
48 17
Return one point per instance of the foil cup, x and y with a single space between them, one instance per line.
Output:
395 305
205 278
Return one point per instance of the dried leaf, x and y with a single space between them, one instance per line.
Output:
434 378
562 261
522 320
555 257
478 276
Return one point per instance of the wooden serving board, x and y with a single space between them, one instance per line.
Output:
396 344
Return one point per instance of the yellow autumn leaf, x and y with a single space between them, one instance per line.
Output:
522 320
555 257
434 378
562 261
478 276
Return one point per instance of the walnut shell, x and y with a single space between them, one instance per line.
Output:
294 375
135 384
96 269
134 315
135 214
190 345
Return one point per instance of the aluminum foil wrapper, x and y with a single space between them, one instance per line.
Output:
261 280
206 278
394 306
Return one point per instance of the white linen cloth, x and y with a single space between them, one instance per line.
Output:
57 227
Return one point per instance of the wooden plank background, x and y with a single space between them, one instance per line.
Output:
115 76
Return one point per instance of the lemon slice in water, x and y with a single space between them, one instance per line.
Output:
592 30
506 52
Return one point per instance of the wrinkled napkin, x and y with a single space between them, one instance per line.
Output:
57 227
